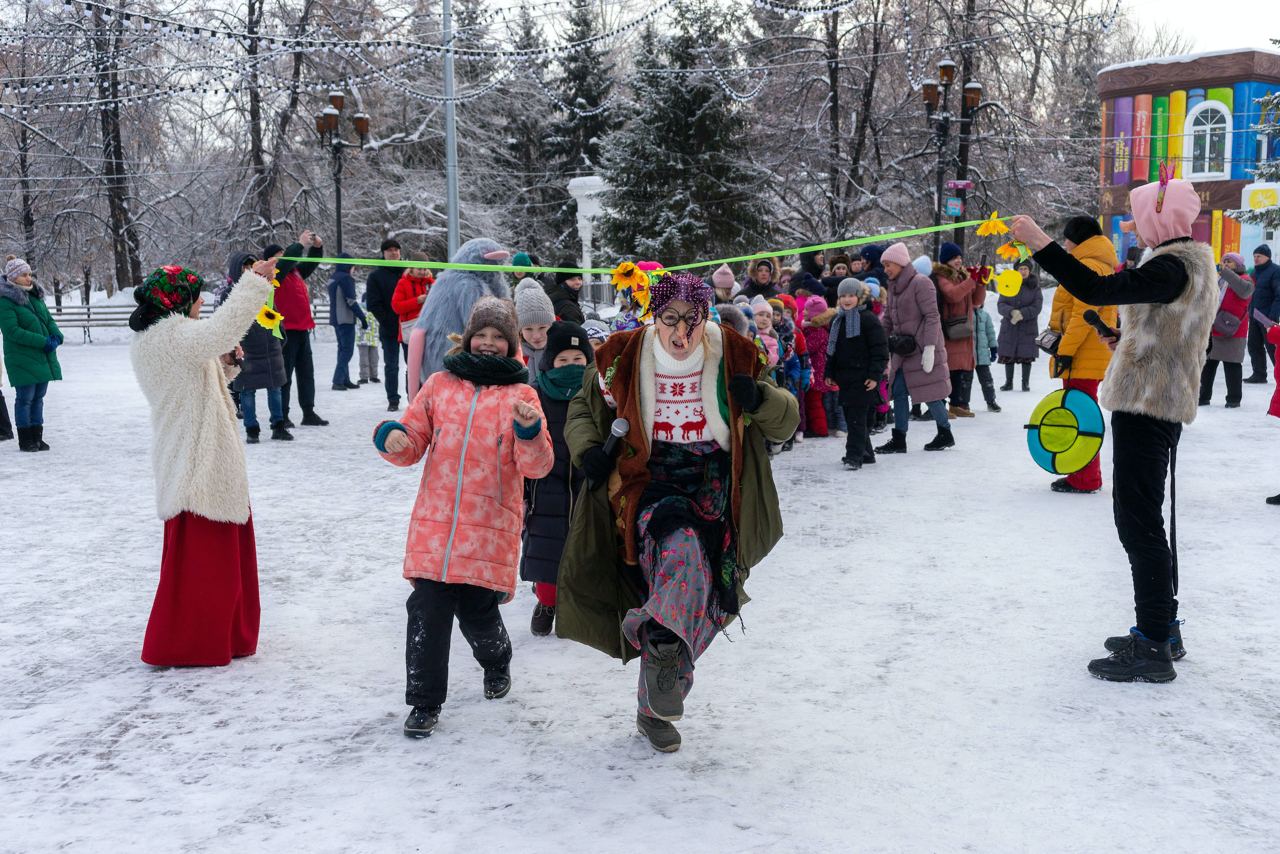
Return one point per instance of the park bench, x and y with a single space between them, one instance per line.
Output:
89 317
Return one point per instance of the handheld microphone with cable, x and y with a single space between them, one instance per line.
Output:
617 432
1091 318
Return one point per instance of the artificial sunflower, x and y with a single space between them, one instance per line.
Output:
269 318
275 283
627 276
1013 251
993 225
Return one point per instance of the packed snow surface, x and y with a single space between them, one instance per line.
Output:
912 675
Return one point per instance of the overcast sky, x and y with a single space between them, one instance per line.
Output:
1212 24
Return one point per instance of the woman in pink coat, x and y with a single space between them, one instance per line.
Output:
482 425
919 365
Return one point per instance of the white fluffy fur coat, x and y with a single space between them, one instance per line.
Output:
197 454
1156 368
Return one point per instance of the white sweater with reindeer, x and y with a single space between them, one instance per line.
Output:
678 387
196 450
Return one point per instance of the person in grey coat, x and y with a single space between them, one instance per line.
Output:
262 364
1019 326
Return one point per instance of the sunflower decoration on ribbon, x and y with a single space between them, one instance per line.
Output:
633 283
269 318
1014 250
993 225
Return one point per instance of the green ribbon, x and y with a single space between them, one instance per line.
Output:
599 271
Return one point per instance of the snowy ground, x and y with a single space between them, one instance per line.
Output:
912 677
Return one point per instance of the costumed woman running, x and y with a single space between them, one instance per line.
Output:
654 565
206 606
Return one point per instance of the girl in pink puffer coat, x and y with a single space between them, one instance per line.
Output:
481 427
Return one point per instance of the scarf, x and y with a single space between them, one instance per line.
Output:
852 320
11 291
486 370
561 383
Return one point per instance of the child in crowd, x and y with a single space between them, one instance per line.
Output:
484 429
985 341
822 400
766 338
536 314
857 355
597 333
549 501
367 344
792 356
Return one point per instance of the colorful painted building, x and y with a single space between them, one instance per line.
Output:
1198 113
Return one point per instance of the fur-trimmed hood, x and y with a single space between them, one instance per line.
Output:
824 319
946 271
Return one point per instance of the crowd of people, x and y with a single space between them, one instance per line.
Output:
622 465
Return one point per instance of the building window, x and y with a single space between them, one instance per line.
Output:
1208 142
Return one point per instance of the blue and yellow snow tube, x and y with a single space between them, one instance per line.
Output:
1065 431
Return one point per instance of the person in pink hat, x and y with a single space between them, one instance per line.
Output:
1152 387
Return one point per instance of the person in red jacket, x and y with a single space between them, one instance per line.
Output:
1230 331
294 302
411 292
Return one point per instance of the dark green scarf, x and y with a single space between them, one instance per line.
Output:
486 370
561 383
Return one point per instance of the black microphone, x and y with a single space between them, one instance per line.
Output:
1091 318
620 428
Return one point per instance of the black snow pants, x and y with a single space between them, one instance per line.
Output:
432 606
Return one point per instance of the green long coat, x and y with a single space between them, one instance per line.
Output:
597 584
25 326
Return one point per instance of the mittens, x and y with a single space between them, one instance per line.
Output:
745 392
926 359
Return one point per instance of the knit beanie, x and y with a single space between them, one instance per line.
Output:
597 330
805 281
533 306
14 267
732 316
521 259
759 304
788 303
1179 205
722 279
923 265
1235 257
949 252
775 303
742 300
271 250
872 254
896 254
561 278
814 307
1264 249
498 313
562 336
390 243
873 285
850 287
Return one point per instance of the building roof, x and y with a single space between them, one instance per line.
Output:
1212 68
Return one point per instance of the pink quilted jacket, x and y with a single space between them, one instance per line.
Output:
465 527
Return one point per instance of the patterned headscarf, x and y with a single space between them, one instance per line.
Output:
168 290
680 286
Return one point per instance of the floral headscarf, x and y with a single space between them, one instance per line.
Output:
168 290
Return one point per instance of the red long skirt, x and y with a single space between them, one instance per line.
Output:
206 609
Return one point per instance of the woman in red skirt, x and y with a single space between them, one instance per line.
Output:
206 608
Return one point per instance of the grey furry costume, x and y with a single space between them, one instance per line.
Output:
449 302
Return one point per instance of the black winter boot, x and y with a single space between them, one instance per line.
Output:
543 618
660 664
1176 650
421 721
1141 661
26 439
310 419
251 435
6 426
896 445
1273 500
852 464
942 441
497 681
38 435
279 433
663 737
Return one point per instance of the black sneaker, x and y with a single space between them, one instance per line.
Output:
1142 660
309 419
660 665
1256 379
251 435
497 682
393 406
336 387
421 721
362 381
896 445
543 618
1274 500
280 433
1176 650
994 407
352 386
288 423
942 441
1007 387
869 458
374 380
663 737
1063 485
852 465
1233 404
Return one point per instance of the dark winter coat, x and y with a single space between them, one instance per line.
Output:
858 359
549 502
831 288
379 290
1018 340
913 310
752 289
1266 290
263 352
564 301
344 308
26 326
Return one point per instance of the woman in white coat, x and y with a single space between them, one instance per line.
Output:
206 607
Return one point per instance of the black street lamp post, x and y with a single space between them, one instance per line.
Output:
327 129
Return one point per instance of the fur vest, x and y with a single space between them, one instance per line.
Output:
196 449
1157 364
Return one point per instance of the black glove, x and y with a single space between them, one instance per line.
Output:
745 392
1062 364
596 464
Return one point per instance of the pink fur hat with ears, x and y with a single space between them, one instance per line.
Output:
1179 205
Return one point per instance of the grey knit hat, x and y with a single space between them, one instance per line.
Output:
850 288
498 313
597 330
14 267
533 306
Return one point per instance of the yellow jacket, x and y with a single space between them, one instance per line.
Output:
1089 356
